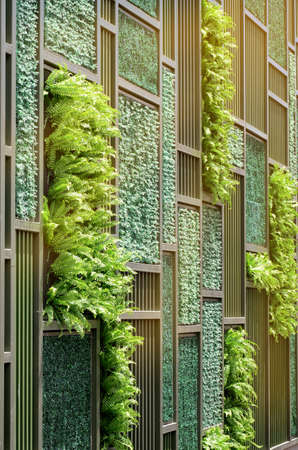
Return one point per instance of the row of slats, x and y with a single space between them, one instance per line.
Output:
188 175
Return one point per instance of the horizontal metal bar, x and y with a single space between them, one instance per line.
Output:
189 151
169 247
7 357
7 253
8 150
255 20
238 171
138 91
234 321
277 99
9 48
239 122
169 427
189 200
142 315
256 248
140 267
108 26
272 162
289 444
291 47
168 62
22 225
212 293
277 66
208 198
260 134
140 14
186 329
54 326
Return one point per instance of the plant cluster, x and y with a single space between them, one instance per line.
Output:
139 180
189 266
168 157
138 53
292 115
212 248
255 195
277 32
277 274
188 392
257 7
217 91
26 108
236 146
215 439
88 271
212 376
149 6
240 397
70 27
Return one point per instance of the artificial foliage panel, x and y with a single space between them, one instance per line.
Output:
26 108
168 157
212 248
149 6
291 115
277 31
212 362
167 339
236 146
66 392
189 266
293 384
256 7
139 180
70 27
255 192
138 53
188 393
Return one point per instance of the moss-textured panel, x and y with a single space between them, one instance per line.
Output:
168 157
236 146
293 381
189 266
212 248
188 393
138 53
26 108
70 27
212 361
167 339
256 7
255 192
292 111
66 392
277 31
149 6
139 180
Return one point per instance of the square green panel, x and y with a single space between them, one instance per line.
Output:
277 31
66 392
167 338
189 269
139 180
138 53
212 363
188 393
256 7
149 6
212 248
70 29
168 157
255 192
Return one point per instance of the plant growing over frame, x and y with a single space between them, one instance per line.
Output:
217 90
88 274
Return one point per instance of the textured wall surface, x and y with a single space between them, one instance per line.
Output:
139 180
138 53
257 7
212 248
149 6
168 157
277 31
293 383
189 266
255 192
70 27
212 363
167 338
26 108
188 374
291 116
66 392
236 146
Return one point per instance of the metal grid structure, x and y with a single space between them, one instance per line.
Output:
260 108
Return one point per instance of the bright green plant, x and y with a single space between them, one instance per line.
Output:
87 271
217 90
240 397
262 271
215 439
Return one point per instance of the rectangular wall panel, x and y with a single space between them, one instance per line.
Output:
212 257
145 294
108 64
188 175
277 83
278 132
168 17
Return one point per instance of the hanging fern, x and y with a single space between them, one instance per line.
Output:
277 274
217 90
88 273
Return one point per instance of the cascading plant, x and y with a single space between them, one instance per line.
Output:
88 274
217 90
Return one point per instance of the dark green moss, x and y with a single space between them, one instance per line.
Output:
138 53
66 392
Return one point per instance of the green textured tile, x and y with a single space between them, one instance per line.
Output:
256 7
212 248
149 6
236 146
277 31
66 392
